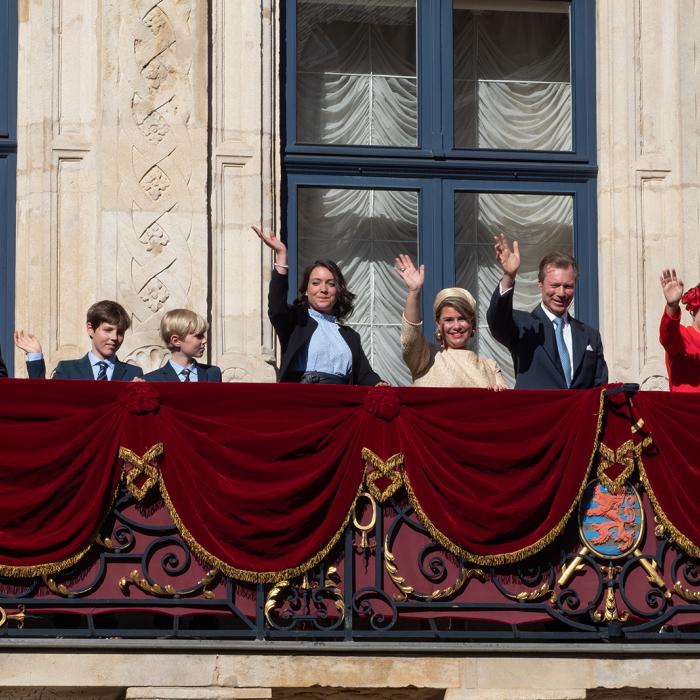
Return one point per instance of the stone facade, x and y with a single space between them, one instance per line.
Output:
115 111
141 156
227 676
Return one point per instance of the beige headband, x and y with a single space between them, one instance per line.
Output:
456 293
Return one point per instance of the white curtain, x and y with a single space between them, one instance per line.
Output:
363 231
512 80
356 73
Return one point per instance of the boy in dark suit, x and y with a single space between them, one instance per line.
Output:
184 333
106 323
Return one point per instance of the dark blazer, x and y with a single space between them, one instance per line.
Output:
3 368
205 373
294 328
533 347
82 369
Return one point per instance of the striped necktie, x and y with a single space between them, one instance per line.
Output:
102 374
186 374
562 349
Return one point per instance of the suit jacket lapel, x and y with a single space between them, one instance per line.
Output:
550 341
119 370
578 341
85 368
169 374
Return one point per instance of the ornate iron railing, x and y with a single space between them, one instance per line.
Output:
386 579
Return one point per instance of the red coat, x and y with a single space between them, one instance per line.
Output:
682 345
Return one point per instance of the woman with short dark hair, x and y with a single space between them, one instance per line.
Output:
316 347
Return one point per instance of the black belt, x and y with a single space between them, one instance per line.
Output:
318 378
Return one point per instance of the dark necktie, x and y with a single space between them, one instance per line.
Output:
562 349
186 374
102 374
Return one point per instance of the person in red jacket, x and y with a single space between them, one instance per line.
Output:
682 343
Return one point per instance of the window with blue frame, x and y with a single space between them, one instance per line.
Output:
8 167
428 126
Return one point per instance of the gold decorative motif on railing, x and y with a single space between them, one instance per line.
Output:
142 474
17 617
63 590
365 529
330 583
382 469
530 596
686 593
609 612
439 593
168 591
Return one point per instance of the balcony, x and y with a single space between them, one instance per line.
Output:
274 514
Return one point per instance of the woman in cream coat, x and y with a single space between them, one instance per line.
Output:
449 364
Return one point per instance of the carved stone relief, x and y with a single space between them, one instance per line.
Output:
162 241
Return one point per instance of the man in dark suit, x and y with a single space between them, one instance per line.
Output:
107 321
550 348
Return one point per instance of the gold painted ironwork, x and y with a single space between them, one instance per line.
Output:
686 593
364 529
18 617
529 596
382 469
141 467
168 591
652 570
609 612
63 590
439 593
573 567
271 599
273 595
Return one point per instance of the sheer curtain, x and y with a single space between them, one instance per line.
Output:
363 230
356 73
512 78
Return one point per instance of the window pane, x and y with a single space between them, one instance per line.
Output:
541 224
356 72
512 78
363 231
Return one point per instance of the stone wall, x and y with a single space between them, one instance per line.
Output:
117 101
225 676
648 205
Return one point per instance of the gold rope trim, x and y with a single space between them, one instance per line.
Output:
609 457
673 533
383 469
254 576
519 554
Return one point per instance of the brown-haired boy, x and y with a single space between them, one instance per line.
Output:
106 323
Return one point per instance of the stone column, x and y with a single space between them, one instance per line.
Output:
648 84
244 183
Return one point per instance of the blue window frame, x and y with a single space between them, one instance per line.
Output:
437 166
8 168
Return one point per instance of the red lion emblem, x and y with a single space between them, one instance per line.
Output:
618 509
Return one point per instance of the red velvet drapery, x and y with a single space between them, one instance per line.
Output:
261 479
